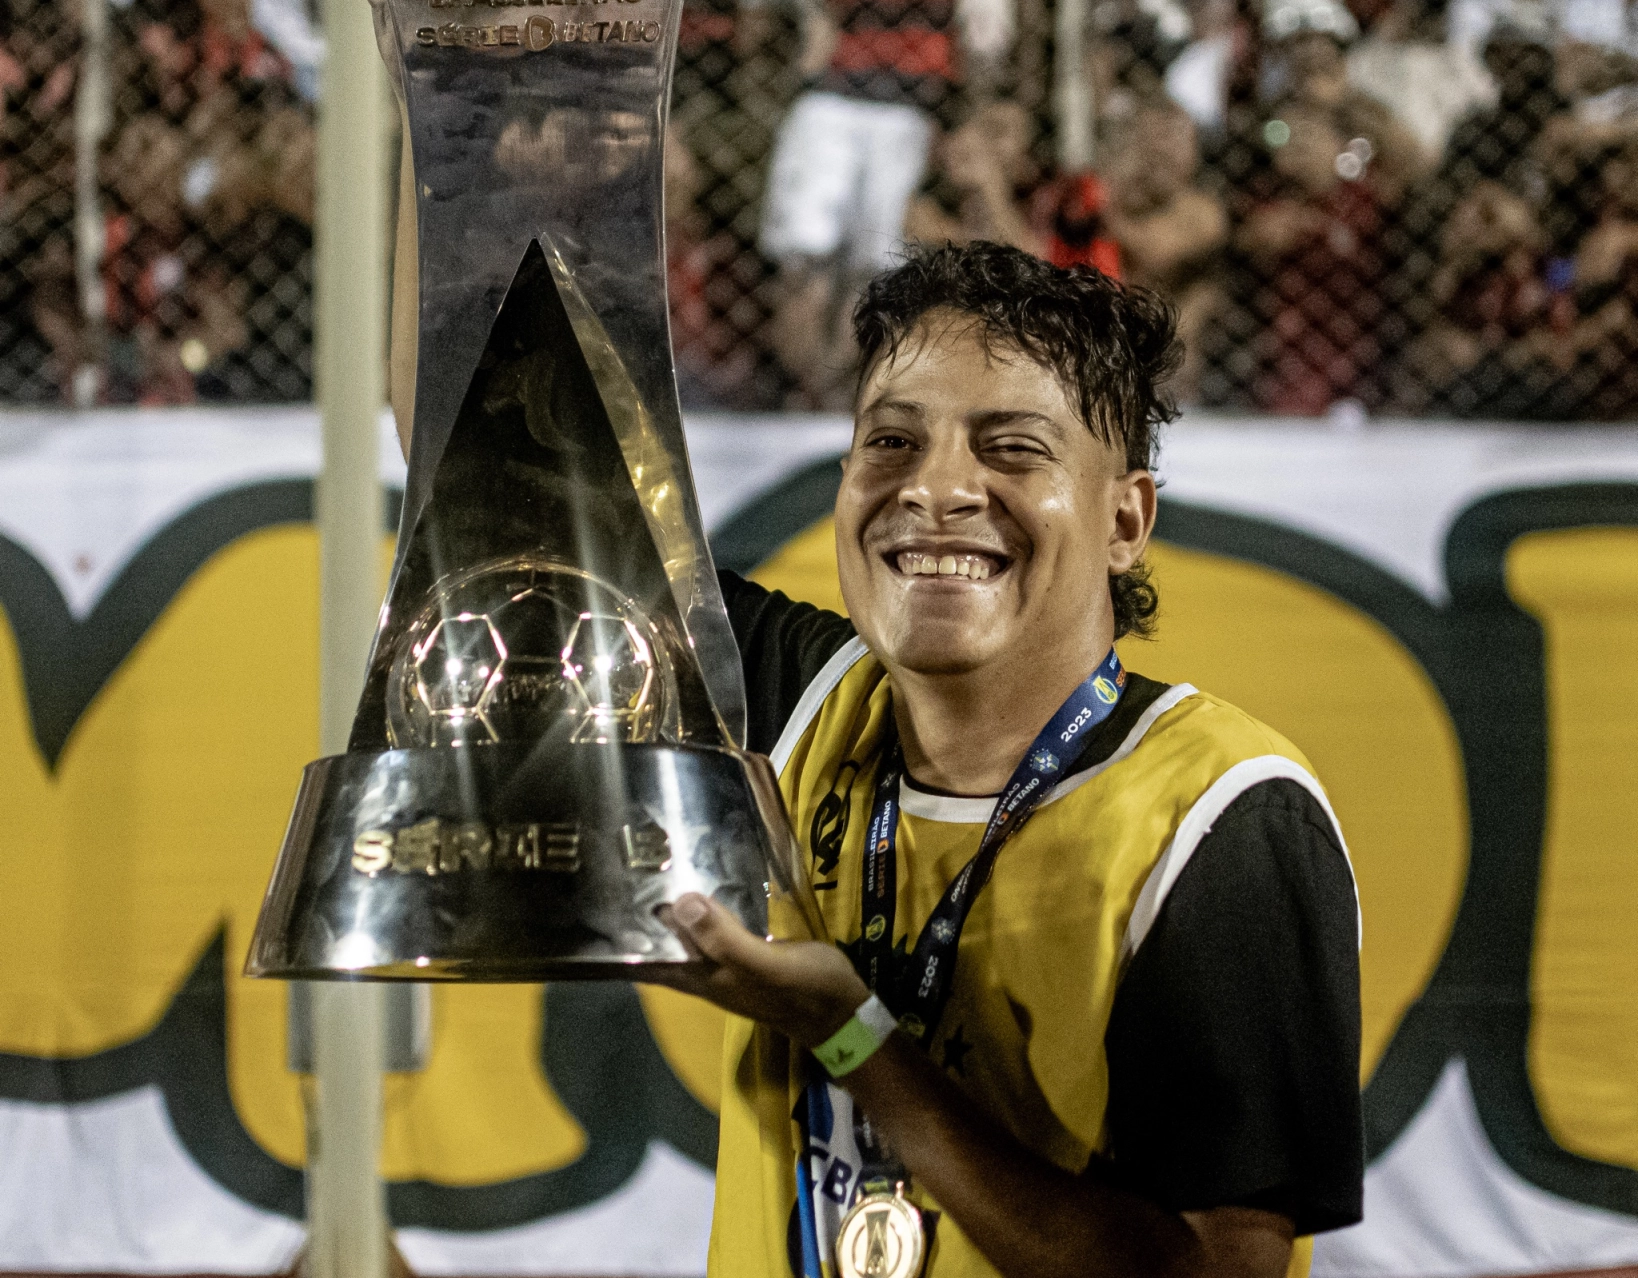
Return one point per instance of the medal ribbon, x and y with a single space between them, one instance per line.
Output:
917 994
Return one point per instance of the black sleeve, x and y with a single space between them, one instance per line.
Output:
782 645
1234 1042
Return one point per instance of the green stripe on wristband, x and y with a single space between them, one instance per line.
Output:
856 1042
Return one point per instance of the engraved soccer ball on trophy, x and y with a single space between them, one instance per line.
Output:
524 649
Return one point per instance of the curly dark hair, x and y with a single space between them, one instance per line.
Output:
1112 347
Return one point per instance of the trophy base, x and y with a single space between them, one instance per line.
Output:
520 863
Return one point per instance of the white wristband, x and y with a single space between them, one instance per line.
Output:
877 1019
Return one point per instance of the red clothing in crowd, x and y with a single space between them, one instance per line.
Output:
1325 307
251 58
1068 212
892 51
715 362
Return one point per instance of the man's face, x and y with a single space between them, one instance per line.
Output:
979 519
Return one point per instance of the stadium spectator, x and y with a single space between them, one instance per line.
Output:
203 58
1140 219
1197 79
1306 64
716 363
1316 249
735 76
38 65
1004 196
1534 142
1429 83
1132 49
989 164
1304 59
1566 71
850 156
1498 143
186 234
1312 182
1479 356
236 324
146 261
253 202
1604 342
1385 270
1168 230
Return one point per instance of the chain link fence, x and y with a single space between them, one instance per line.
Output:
156 246
1395 207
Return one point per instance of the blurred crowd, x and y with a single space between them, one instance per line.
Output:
1406 207
1399 207
203 210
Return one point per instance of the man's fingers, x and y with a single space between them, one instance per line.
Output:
725 971
803 989
703 925
667 915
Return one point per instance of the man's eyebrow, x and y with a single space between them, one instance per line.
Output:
993 417
884 405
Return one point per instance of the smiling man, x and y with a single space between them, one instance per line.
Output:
1091 1007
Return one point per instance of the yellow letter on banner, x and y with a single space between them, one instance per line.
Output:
1582 585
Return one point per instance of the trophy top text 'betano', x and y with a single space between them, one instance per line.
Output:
546 750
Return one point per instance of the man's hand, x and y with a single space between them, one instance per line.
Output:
1032 1219
807 990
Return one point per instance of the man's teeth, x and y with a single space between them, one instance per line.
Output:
912 563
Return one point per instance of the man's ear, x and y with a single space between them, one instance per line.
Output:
1135 505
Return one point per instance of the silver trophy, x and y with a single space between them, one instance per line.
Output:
546 749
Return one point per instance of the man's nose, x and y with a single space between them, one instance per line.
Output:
947 483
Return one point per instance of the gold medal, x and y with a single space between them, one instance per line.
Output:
881 1237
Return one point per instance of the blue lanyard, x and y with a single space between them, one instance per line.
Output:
917 988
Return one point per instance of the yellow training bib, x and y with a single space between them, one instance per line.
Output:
1073 894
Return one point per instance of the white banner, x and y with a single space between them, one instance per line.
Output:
1499 1145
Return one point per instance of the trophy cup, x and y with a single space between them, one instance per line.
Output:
545 751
